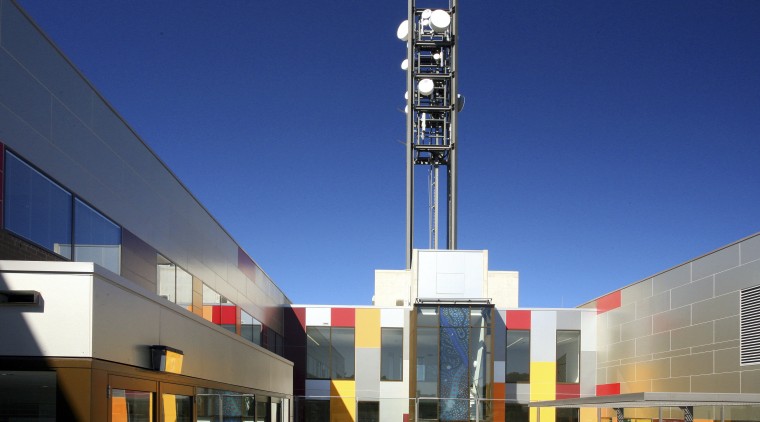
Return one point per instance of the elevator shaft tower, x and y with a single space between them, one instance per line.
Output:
432 105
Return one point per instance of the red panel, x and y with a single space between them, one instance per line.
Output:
301 315
228 315
216 314
343 317
608 389
608 302
568 391
406 417
518 320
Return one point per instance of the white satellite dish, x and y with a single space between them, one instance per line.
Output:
426 86
403 30
426 14
440 20
406 95
405 64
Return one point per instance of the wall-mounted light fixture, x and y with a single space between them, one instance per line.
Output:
166 359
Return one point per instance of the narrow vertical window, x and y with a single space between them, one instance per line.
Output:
318 352
518 356
568 356
342 353
96 238
392 354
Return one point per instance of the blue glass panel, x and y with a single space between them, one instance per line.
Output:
97 238
36 208
455 342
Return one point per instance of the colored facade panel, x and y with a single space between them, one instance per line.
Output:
608 389
608 302
368 328
342 401
518 320
543 337
543 386
392 317
568 391
318 316
342 317
499 393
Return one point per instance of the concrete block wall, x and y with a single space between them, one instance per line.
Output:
678 331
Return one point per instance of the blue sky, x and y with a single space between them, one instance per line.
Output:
602 141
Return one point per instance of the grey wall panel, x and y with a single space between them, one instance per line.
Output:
621 350
368 376
635 329
750 381
692 292
653 305
716 262
716 383
653 344
588 374
723 306
727 329
636 292
25 97
518 392
747 275
695 335
24 42
623 314
727 360
588 331
750 249
670 320
671 278
569 320
543 336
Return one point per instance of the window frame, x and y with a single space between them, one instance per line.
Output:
506 357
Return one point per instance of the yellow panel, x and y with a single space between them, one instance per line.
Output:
170 407
343 401
368 328
207 313
548 414
543 386
588 414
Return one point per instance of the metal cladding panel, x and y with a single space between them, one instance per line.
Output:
517 320
750 249
392 317
543 337
368 376
318 389
518 392
588 374
367 328
450 274
499 337
65 326
318 317
569 320
342 317
716 262
342 400
588 332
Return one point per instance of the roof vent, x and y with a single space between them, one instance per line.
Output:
749 326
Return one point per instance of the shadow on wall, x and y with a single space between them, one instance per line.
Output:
30 389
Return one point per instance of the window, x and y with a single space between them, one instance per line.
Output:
36 208
749 326
568 356
250 328
28 395
369 411
131 406
567 414
342 353
518 356
516 412
316 410
329 353
96 238
174 283
177 408
391 354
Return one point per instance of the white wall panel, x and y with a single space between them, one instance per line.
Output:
588 331
392 317
318 316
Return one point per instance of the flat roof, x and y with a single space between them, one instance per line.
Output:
655 400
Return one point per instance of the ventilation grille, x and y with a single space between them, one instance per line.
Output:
749 330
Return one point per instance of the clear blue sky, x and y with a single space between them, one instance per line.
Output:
602 141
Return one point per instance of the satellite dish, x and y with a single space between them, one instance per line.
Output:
440 20
426 86
406 109
460 102
426 14
403 30
406 95
405 64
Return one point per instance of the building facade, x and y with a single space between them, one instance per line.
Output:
123 299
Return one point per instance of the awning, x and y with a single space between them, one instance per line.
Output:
655 400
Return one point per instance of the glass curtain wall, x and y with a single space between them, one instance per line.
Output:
453 356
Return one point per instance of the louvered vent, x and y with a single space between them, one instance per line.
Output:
750 326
